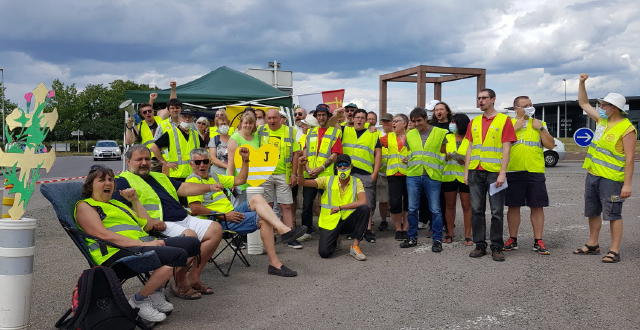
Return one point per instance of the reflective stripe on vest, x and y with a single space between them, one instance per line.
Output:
360 149
452 169
526 153
602 157
327 202
146 194
487 152
287 145
426 158
211 200
179 149
319 153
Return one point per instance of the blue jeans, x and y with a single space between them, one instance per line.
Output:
416 186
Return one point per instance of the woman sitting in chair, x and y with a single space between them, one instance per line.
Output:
112 221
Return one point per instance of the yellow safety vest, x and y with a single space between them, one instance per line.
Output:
395 156
179 149
317 157
118 218
216 201
426 158
146 135
360 149
487 153
331 198
602 158
453 170
148 197
526 153
286 146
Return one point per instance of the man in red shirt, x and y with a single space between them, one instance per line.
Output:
490 137
318 165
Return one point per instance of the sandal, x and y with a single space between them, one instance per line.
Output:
447 239
591 250
468 241
186 294
202 288
611 257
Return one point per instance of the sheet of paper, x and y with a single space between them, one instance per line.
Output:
493 189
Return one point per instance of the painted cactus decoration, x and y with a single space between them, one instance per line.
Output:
24 154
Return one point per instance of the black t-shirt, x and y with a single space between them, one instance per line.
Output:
444 125
359 133
163 140
171 208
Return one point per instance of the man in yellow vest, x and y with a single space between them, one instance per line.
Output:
179 140
322 146
145 132
277 188
159 197
609 164
244 218
382 185
526 174
364 148
427 145
343 210
490 137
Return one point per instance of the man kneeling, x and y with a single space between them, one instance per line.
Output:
245 218
343 207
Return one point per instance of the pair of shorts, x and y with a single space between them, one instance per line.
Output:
526 189
277 190
248 225
382 189
602 196
398 196
176 228
456 186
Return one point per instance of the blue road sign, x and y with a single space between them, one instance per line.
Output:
583 136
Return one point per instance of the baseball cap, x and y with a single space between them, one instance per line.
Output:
351 105
322 107
386 117
617 100
187 112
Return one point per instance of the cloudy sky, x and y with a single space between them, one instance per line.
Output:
527 46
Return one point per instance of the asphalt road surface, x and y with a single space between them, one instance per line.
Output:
394 288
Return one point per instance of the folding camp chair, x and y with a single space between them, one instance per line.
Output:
229 236
64 196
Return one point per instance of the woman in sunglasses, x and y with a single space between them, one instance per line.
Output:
343 205
202 126
110 220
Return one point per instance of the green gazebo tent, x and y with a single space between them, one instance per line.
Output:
222 86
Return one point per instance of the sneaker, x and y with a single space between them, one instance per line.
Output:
294 245
409 242
304 237
369 236
477 252
422 225
293 234
357 254
539 247
159 302
400 236
510 244
146 310
436 247
497 255
383 226
284 271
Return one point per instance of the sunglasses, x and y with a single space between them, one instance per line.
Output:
201 122
144 112
299 114
343 164
201 161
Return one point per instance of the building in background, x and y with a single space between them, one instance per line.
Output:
282 80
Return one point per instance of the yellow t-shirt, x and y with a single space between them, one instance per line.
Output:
275 138
225 180
323 181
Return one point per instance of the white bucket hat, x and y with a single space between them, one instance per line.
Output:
617 100
311 121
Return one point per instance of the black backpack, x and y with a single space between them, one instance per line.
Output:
98 302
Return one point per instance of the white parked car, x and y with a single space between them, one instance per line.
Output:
107 149
553 156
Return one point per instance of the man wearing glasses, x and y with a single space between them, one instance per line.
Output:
300 115
490 136
343 210
145 131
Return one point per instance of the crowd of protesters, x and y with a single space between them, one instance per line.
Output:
414 169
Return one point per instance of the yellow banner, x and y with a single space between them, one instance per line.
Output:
234 112
262 162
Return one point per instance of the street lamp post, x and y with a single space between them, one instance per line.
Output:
565 107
